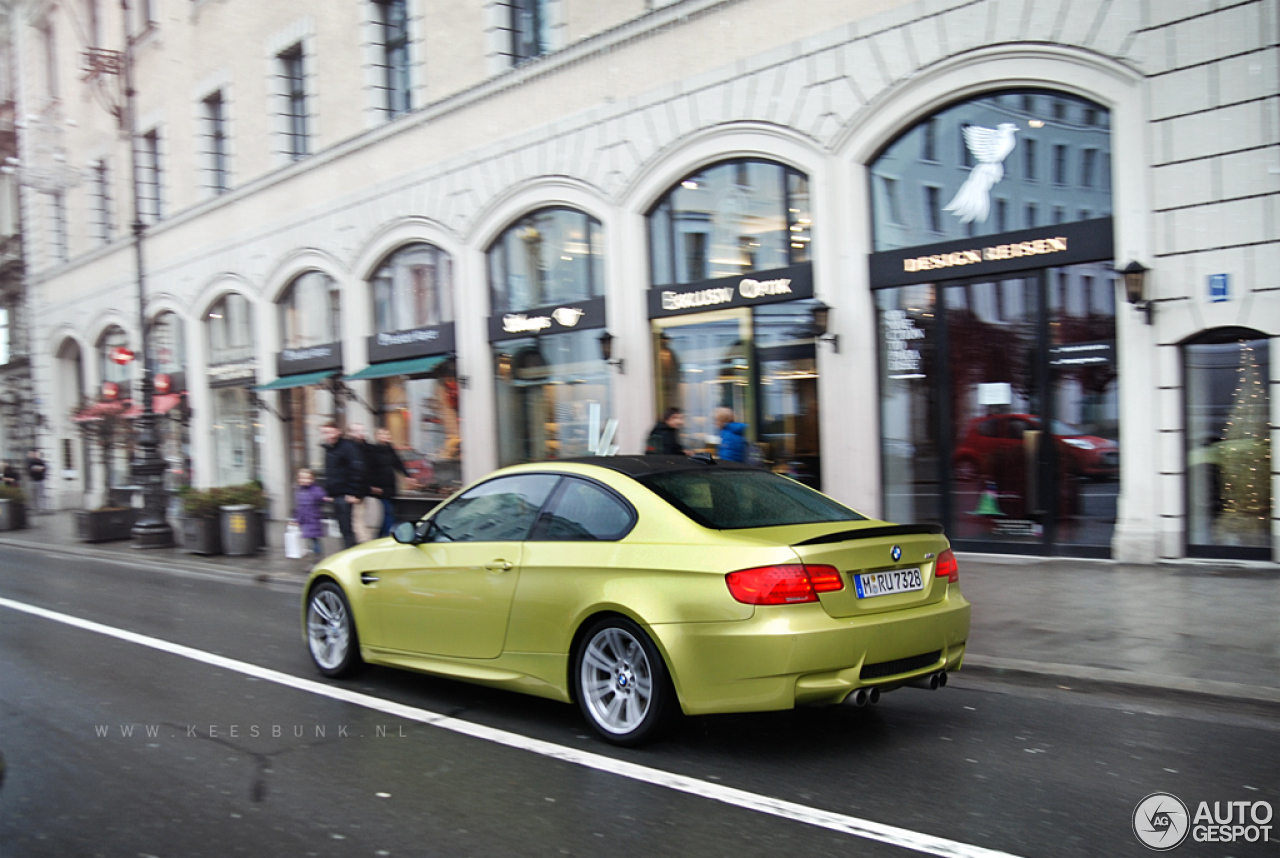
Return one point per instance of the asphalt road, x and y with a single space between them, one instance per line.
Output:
189 722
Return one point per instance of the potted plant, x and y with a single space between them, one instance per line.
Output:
13 508
201 522
105 524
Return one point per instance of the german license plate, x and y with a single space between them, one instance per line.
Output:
891 581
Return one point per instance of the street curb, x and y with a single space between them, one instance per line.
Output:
145 559
1112 677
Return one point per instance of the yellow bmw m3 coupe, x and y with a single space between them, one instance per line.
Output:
643 586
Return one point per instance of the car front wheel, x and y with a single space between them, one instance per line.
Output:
331 631
621 682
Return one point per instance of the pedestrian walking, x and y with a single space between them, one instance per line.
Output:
733 436
384 463
36 470
360 509
308 509
344 477
665 435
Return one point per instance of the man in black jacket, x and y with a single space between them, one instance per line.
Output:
384 462
345 477
665 435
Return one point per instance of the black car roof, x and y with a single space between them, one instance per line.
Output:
648 465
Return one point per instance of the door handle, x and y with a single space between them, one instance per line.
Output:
368 578
498 565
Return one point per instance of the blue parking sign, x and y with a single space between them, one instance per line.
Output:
1219 288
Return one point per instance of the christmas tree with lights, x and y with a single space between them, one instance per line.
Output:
1245 456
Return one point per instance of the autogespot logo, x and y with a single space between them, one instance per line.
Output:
1160 821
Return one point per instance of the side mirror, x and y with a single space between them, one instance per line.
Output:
406 533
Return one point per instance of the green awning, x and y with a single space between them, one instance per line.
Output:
302 379
411 366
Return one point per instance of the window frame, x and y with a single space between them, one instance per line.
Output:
213 120
291 74
537 533
429 525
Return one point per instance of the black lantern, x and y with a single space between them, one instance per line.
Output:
821 315
1135 285
606 352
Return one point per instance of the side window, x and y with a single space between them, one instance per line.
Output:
501 510
987 428
584 511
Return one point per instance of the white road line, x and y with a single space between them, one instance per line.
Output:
863 828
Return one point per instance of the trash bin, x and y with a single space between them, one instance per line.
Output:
241 530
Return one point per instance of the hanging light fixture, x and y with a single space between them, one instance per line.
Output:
1135 286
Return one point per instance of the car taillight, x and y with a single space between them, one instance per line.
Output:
786 584
948 567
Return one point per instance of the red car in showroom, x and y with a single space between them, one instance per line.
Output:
997 435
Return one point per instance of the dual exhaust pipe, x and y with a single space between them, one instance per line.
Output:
871 696
933 681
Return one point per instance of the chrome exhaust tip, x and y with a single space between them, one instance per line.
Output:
873 696
931 682
860 697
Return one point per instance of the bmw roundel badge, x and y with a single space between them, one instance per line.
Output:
896 553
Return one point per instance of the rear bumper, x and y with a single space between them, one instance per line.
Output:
798 654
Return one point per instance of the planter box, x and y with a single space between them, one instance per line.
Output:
105 525
13 515
201 535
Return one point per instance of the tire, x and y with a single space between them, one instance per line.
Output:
331 631
621 683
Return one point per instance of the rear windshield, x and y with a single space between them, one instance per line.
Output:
731 499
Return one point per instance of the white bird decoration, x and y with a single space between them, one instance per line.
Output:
989 147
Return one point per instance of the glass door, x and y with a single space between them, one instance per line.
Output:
704 361
1002 463
1228 404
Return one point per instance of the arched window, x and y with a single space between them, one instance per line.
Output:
413 288
310 311
230 330
1228 425
167 344
553 385
997 163
730 219
109 370
548 257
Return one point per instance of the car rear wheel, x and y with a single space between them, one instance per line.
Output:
331 631
621 682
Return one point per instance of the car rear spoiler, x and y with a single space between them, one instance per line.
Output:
874 532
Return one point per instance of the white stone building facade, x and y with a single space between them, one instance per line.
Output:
273 148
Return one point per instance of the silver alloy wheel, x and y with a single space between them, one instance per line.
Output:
328 629
616 680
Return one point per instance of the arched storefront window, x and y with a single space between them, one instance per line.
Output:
1228 420
310 314
546 278
731 309
310 311
414 375
412 289
232 374
111 370
230 323
110 433
167 346
995 299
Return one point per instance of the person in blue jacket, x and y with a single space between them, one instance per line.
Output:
733 436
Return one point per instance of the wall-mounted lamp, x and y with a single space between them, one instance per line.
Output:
606 352
1135 285
821 318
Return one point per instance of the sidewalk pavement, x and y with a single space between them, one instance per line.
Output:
1208 628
